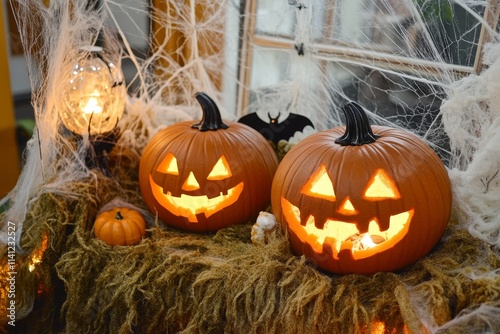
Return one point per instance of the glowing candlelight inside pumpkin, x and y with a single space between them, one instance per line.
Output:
207 175
367 242
192 205
337 185
341 235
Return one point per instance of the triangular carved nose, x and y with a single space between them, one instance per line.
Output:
347 208
191 183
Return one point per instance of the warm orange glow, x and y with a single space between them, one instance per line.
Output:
189 206
191 183
367 241
220 171
375 236
320 185
168 165
378 327
347 208
33 260
36 256
337 230
381 186
94 96
93 105
346 235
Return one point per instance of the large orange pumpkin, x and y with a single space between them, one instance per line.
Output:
209 175
361 199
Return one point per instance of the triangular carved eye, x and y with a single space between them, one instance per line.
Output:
320 185
220 170
168 165
381 186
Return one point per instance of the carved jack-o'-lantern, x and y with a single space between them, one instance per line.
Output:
370 199
209 175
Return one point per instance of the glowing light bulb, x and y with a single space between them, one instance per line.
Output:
93 105
367 241
94 98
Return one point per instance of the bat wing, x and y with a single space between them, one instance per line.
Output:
253 121
275 132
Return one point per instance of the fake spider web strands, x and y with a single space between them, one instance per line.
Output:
162 88
427 66
432 67
51 160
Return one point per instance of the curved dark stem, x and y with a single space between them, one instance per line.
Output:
118 215
358 129
211 119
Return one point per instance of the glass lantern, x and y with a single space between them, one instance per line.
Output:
94 100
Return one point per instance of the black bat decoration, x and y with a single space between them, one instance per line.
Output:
274 131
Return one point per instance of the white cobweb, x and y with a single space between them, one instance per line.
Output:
432 67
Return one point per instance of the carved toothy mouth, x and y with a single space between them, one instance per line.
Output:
189 206
339 235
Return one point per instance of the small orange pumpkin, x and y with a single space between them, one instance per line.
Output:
120 226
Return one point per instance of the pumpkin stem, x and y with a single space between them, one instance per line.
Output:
118 215
211 119
358 130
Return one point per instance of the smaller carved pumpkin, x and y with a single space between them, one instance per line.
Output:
201 177
120 226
